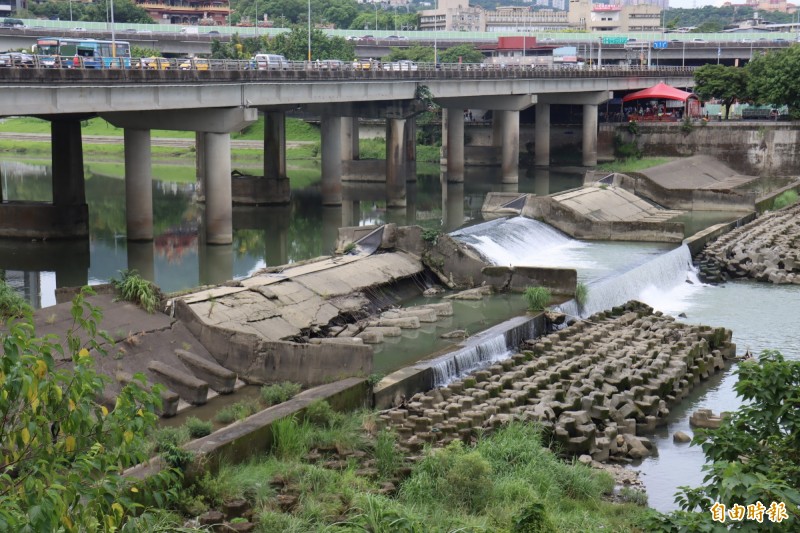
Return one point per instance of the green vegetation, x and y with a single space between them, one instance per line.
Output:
754 456
349 248
537 298
632 165
631 495
430 235
728 84
12 304
237 411
507 482
581 294
784 199
198 428
279 392
134 288
63 452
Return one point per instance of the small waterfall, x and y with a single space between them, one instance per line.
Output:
494 344
667 274
519 241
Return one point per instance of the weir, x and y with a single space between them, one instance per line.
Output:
483 349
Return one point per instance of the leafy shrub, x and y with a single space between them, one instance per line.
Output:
430 235
279 392
170 437
133 288
176 457
785 198
633 127
198 428
56 474
537 298
349 247
289 438
626 150
11 303
686 125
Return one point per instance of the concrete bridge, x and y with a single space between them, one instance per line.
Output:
218 101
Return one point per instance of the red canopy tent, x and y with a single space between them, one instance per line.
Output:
662 91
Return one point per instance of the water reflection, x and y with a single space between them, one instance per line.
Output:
178 258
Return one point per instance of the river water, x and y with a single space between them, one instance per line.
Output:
761 316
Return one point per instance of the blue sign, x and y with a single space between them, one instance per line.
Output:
660 44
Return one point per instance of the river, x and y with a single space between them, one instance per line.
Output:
761 316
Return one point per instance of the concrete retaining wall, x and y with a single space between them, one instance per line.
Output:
257 190
686 199
697 242
364 170
252 436
258 361
755 148
566 220
764 203
30 220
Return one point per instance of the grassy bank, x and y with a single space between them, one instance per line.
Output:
633 164
336 472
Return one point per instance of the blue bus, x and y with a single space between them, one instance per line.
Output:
61 52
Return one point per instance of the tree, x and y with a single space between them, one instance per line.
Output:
754 456
420 54
719 81
294 45
773 79
61 452
465 52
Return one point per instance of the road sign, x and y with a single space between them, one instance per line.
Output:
660 44
614 40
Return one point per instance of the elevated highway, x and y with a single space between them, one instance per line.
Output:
227 97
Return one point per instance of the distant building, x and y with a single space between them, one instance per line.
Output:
507 19
452 15
187 12
11 7
780 6
585 15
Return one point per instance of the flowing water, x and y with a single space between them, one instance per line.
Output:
761 316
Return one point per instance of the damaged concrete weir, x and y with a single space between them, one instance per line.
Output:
614 375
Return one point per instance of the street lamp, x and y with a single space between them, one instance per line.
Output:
113 34
435 31
376 15
309 30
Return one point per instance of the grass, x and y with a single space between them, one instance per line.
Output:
198 428
133 288
508 481
376 149
279 392
784 199
12 304
633 164
537 298
237 411
581 294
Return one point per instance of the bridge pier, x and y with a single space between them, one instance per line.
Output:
200 162
350 148
455 144
274 144
219 220
331 127
138 185
589 135
395 162
509 128
541 135
411 148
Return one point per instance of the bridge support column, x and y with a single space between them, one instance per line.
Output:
349 138
510 145
411 149
541 135
589 135
71 213
219 207
395 162
138 185
274 144
331 160
200 160
455 145
141 258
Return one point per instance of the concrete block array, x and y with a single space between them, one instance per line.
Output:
766 249
595 386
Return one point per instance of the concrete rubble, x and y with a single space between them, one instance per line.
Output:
595 386
766 249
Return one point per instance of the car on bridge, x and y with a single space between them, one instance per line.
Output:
151 63
271 62
16 59
195 63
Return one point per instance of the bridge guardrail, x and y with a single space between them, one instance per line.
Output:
48 67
